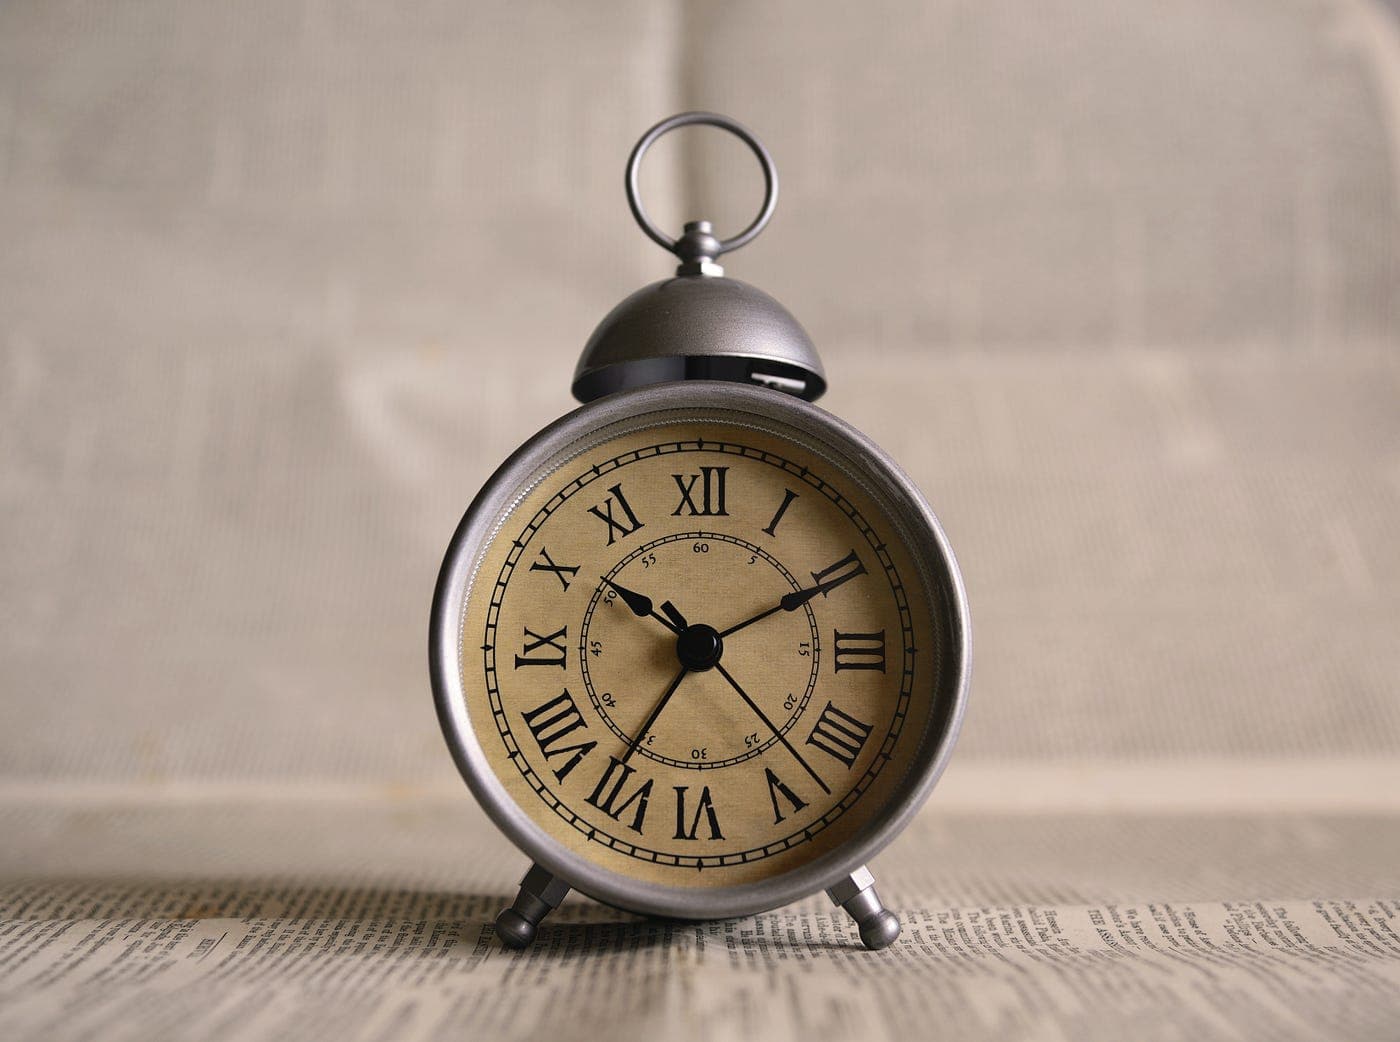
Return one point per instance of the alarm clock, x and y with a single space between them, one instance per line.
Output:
699 648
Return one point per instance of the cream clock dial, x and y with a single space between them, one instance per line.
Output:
702 648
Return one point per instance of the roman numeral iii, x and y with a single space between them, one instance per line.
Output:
859 651
704 808
608 791
711 482
551 723
617 529
543 651
839 735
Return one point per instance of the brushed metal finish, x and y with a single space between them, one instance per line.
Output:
699 327
844 448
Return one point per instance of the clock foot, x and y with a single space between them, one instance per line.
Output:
540 893
856 894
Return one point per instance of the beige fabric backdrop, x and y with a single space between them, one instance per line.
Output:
280 283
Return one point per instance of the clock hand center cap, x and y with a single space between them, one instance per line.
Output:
699 647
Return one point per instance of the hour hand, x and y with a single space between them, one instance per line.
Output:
641 605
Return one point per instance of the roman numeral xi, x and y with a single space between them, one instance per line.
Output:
618 528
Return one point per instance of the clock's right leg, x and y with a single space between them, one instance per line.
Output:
540 893
856 894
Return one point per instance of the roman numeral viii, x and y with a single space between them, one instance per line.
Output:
604 512
543 651
608 791
860 651
711 482
839 735
705 808
551 723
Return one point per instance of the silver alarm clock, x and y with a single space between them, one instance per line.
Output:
700 648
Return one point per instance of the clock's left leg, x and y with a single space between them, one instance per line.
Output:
540 893
856 894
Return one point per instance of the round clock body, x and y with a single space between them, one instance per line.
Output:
700 649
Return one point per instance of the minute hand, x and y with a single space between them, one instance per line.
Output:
797 598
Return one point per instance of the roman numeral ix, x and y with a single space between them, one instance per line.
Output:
839 735
543 651
551 723
859 651
711 481
604 512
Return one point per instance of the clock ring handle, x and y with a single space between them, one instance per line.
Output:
698 247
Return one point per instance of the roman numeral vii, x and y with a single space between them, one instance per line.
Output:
608 792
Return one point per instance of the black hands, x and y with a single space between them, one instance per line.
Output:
641 607
660 705
842 571
790 602
769 724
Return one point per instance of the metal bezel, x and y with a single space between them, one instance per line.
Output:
847 449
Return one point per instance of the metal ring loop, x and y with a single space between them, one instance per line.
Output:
711 119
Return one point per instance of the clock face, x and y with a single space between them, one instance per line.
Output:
701 652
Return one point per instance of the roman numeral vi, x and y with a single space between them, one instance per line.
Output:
705 807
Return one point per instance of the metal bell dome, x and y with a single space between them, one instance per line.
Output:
699 325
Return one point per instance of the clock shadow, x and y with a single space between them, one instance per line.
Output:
461 922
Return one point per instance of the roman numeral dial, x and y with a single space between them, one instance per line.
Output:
695 652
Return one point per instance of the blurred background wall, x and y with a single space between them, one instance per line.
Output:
282 282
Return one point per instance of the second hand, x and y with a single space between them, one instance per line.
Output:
769 724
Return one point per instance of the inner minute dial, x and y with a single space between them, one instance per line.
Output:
700 583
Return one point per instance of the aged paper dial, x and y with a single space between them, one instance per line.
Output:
699 653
